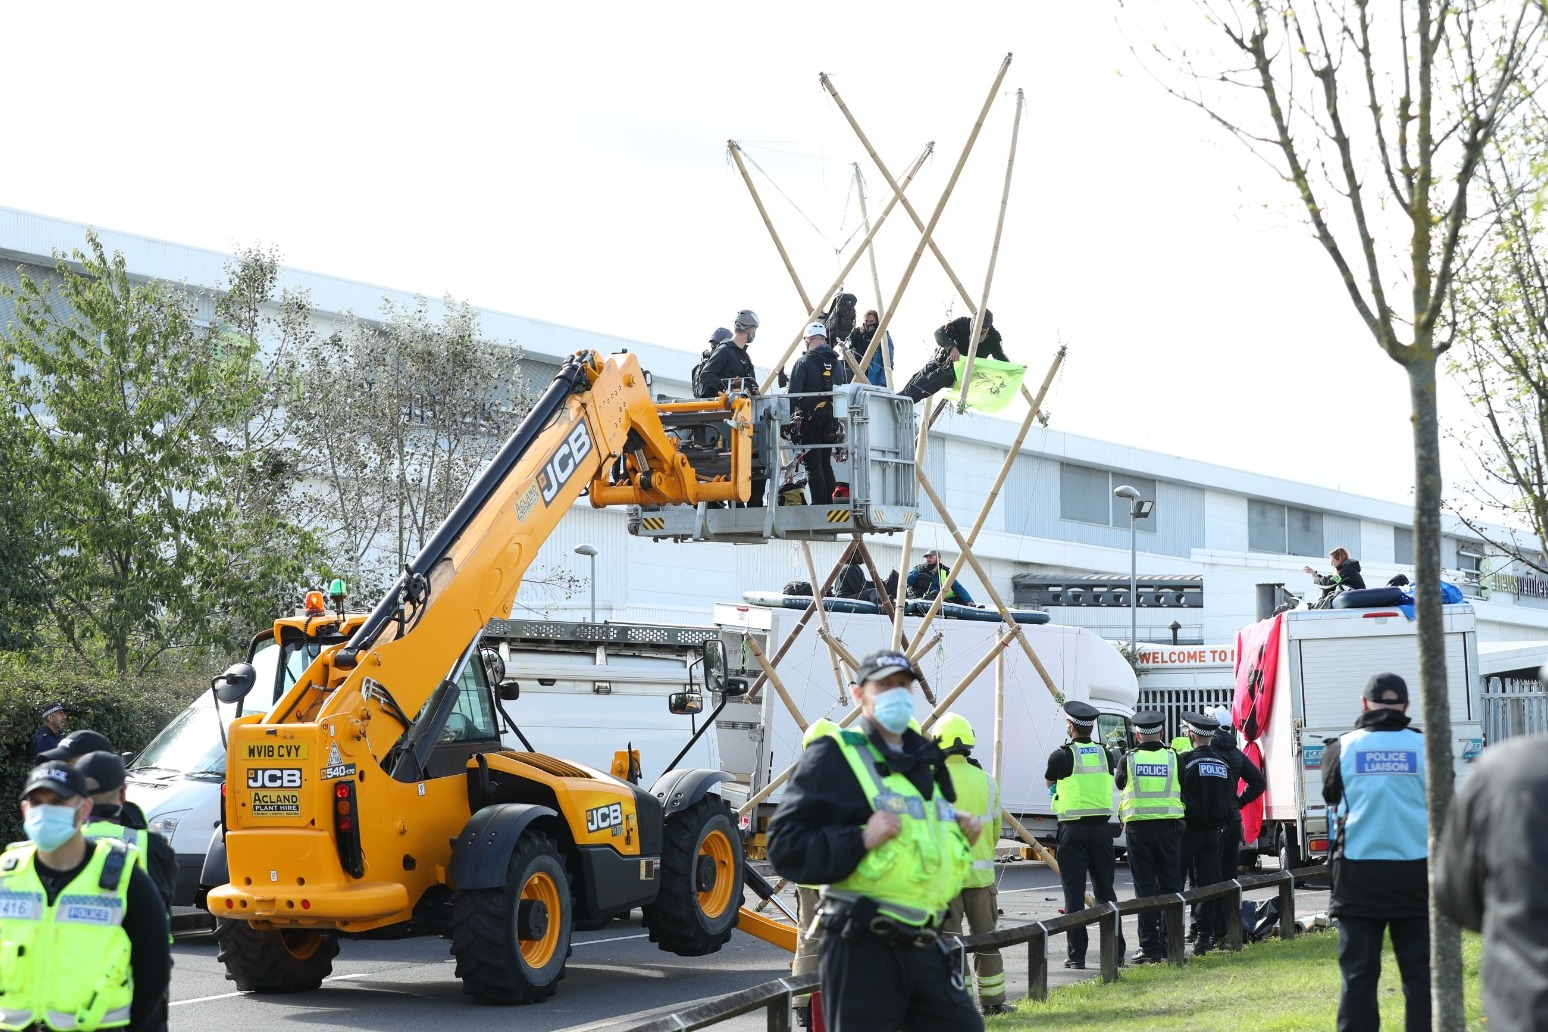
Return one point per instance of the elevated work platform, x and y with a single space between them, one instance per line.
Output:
873 461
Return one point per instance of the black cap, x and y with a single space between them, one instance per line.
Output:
57 776
1200 723
1081 714
884 664
76 744
52 708
104 771
1388 688
1149 722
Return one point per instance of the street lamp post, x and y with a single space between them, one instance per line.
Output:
1139 509
591 553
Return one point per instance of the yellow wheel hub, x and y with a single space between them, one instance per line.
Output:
541 888
716 849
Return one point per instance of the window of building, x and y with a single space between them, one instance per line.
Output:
1284 530
1470 562
1403 546
1086 496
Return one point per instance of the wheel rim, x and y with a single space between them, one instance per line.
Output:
300 945
716 848
542 888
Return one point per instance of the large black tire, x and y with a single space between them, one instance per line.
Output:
701 881
511 943
291 961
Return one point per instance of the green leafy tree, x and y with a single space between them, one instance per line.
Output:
1377 117
21 592
134 416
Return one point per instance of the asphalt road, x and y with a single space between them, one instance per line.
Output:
615 976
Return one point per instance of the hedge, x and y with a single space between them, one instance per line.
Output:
129 713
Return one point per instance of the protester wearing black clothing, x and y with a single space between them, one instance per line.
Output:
953 337
730 367
1489 878
1242 770
815 374
1209 803
105 778
1346 576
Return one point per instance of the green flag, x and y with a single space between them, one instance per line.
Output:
994 383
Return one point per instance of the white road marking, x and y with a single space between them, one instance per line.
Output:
227 996
620 938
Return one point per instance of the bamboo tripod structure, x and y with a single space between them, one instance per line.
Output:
841 661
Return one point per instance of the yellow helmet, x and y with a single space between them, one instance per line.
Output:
818 728
954 731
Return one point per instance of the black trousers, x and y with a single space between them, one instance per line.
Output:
1085 849
1154 848
871 986
1359 958
1230 849
819 474
1199 865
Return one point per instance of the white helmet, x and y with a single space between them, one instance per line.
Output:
817 329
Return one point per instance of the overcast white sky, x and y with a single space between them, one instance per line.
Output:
568 162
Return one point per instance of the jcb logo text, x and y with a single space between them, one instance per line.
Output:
566 459
610 816
274 777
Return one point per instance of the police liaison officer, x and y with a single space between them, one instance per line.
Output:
1373 781
979 795
1080 776
1209 801
1151 808
868 815
103 961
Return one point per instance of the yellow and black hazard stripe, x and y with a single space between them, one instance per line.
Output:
838 515
653 522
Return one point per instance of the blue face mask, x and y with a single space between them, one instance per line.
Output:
893 709
49 827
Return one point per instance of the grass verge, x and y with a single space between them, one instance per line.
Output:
1272 986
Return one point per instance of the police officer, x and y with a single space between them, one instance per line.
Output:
1247 784
1151 808
808 897
1373 780
48 736
1080 775
868 815
977 794
108 965
113 816
75 745
814 376
1209 798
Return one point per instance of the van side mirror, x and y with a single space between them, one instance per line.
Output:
235 683
684 703
494 665
714 665
510 691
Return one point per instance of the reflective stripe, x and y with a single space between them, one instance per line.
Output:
910 915
983 865
1088 791
1163 801
65 1022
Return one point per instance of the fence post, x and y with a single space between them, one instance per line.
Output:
1110 933
779 1013
1287 906
1233 928
1176 916
1037 964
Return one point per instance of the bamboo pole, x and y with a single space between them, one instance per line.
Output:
736 156
784 775
837 647
839 280
1005 468
839 680
865 142
891 607
1037 847
875 277
994 254
779 686
983 575
795 632
999 714
971 676
940 207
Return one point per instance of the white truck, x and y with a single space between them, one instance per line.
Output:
1323 660
759 737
